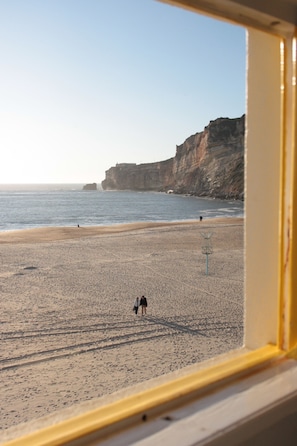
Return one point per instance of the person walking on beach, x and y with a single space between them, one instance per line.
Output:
143 304
136 305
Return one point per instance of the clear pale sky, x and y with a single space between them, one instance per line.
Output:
86 84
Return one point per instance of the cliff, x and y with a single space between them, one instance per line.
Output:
207 164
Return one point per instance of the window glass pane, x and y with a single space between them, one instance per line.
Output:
87 86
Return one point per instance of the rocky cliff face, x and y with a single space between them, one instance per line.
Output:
207 164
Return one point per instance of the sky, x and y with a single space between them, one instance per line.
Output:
87 84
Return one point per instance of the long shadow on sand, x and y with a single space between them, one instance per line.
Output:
175 326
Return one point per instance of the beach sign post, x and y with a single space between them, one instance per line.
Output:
207 247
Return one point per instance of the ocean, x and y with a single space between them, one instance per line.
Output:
36 206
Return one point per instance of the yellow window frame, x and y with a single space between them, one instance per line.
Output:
270 229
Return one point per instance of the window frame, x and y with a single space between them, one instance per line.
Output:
271 215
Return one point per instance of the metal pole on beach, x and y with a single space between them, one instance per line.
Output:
207 247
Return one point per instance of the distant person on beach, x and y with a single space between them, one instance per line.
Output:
143 304
136 305
201 218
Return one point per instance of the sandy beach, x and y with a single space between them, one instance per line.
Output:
68 332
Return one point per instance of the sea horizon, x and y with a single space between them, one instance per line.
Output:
44 186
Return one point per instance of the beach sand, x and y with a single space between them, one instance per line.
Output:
68 332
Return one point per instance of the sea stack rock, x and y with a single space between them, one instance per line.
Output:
90 186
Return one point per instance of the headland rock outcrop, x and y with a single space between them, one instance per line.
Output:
90 186
208 164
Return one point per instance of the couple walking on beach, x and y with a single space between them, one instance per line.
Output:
140 303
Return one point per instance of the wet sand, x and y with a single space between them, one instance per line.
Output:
68 332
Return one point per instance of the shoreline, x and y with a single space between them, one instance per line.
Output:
59 233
